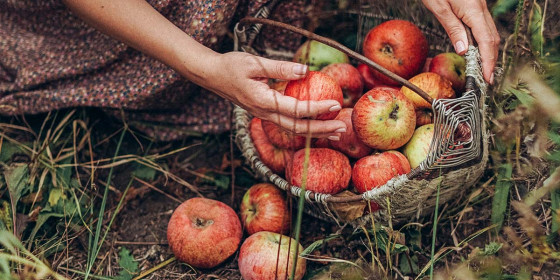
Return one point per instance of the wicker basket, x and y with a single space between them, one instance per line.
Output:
454 163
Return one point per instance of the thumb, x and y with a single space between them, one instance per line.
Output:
454 28
283 70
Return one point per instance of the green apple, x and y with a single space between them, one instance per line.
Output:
418 147
318 55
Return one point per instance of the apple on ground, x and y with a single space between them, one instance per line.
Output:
384 119
328 171
397 45
273 157
269 256
452 67
282 138
349 142
316 86
424 116
264 208
433 84
318 55
204 232
417 149
349 80
375 170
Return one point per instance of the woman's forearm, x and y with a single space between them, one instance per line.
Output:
139 25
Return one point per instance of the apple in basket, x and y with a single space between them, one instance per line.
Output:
424 116
349 80
452 67
375 170
204 232
384 119
397 45
426 67
417 149
273 157
433 84
328 171
264 208
318 55
269 256
316 86
367 76
282 138
349 142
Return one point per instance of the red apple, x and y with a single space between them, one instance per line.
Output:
452 67
424 116
318 55
349 80
316 86
264 208
375 170
417 149
203 232
328 171
321 143
433 84
269 256
273 157
349 143
282 138
384 119
367 76
398 46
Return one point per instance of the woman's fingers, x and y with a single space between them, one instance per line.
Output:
317 128
452 25
275 69
485 38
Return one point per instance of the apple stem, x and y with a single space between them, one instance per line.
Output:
393 114
342 48
200 223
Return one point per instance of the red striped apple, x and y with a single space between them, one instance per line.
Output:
375 170
384 119
204 232
282 138
349 80
452 67
397 45
273 157
349 142
433 84
264 208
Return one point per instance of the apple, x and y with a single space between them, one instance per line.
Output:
273 157
279 86
433 84
321 143
328 171
316 86
367 76
349 143
269 256
452 67
426 67
349 80
203 232
282 138
397 45
417 149
384 119
318 55
264 208
424 116
375 170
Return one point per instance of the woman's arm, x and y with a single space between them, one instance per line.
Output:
239 77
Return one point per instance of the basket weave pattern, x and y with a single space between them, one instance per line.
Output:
406 196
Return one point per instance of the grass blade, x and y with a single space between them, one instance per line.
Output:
501 195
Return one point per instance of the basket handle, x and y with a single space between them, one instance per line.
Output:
342 48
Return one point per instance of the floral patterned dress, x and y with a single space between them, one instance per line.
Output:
50 59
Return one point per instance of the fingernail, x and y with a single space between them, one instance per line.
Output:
300 69
492 79
335 108
341 130
460 47
333 138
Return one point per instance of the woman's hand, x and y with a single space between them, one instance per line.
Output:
474 13
242 78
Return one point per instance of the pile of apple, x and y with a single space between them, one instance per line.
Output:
205 232
389 127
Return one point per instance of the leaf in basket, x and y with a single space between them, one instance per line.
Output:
348 211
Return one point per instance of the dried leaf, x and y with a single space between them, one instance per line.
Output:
348 211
